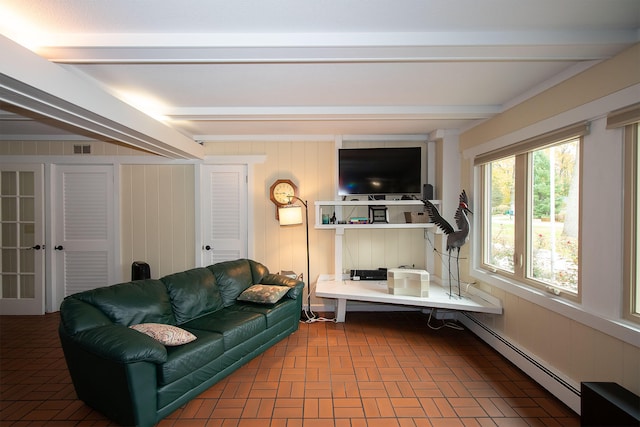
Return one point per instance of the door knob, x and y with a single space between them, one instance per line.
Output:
58 248
208 247
36 247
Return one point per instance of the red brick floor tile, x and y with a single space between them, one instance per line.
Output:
387 370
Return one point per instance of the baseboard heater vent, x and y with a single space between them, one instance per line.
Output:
524 355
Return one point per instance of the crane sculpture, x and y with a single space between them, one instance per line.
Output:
455 238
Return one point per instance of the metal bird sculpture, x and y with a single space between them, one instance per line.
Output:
455 238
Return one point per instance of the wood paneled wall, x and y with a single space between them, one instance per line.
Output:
310 165
157 217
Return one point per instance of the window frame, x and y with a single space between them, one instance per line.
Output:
631 311
485 194
628 118
523 153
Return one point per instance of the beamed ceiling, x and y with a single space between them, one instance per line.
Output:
164 75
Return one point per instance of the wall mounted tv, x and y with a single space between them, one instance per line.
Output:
371 171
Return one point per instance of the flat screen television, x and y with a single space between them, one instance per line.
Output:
377 171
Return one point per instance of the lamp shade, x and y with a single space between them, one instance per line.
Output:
290 215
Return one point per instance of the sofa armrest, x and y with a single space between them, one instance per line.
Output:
119 344
77 316
296 286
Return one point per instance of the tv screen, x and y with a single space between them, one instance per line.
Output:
369 171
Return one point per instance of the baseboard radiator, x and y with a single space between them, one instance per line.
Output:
561 388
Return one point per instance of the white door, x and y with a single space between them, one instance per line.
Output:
224 213
83 229
21 239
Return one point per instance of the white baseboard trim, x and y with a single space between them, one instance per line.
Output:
564 389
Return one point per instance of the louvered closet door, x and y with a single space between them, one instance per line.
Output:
84 235
224 216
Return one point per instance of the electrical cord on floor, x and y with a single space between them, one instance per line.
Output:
444 324
310 316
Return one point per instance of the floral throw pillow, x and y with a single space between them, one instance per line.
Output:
263 294
166 334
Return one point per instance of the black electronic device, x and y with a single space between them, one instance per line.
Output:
379 274
371 171
428 193
140 270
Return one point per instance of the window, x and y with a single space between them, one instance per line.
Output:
552 230
530 192
633 285
632 223
500 227
629 118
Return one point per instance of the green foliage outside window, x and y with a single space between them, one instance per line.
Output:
552 229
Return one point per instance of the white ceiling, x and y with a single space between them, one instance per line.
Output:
217 69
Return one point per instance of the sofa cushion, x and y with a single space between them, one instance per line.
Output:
166 334
235 326
276 279
284 309
258 271
263 294
193 293
232 277
185 359
130 303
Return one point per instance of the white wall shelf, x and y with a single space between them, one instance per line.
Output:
346 209
396 216
381 225
382 202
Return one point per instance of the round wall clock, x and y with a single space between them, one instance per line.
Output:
281 191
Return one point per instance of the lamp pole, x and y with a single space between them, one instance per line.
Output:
306 213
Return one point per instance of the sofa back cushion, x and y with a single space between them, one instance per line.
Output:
258 271
233 277
130 303
193 293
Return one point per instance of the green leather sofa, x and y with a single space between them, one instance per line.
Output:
134 379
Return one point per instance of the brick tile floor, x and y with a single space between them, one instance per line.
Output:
375 370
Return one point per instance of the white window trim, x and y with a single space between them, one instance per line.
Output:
523 159
631 243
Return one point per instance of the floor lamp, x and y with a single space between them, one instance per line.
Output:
292 215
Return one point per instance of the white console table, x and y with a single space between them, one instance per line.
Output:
473 299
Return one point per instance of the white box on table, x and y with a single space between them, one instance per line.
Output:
408 282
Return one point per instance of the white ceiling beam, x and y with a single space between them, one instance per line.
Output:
39 137
36 85
338 39
433 112
336 55
334 47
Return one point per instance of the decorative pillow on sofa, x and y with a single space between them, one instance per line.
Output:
263 294
166 334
